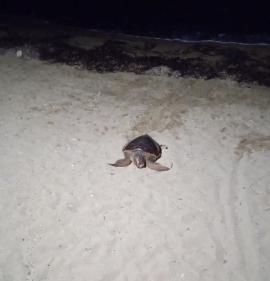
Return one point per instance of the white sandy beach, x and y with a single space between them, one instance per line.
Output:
67 215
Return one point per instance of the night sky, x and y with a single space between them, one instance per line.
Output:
140 16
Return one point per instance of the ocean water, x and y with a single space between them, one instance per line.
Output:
238 21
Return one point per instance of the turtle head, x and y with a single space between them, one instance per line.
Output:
138 158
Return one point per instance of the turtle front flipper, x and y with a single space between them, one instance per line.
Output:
122 162
156 166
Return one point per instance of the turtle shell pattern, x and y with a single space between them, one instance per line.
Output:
146 144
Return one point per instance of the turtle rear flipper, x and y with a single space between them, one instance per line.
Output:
156 166
163 146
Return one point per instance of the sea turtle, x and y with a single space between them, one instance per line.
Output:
142 151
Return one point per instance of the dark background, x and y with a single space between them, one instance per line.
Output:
142 16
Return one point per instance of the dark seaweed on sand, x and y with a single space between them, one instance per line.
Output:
114 55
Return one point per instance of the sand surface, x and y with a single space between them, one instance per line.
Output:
67 215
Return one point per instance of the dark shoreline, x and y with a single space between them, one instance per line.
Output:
101 52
